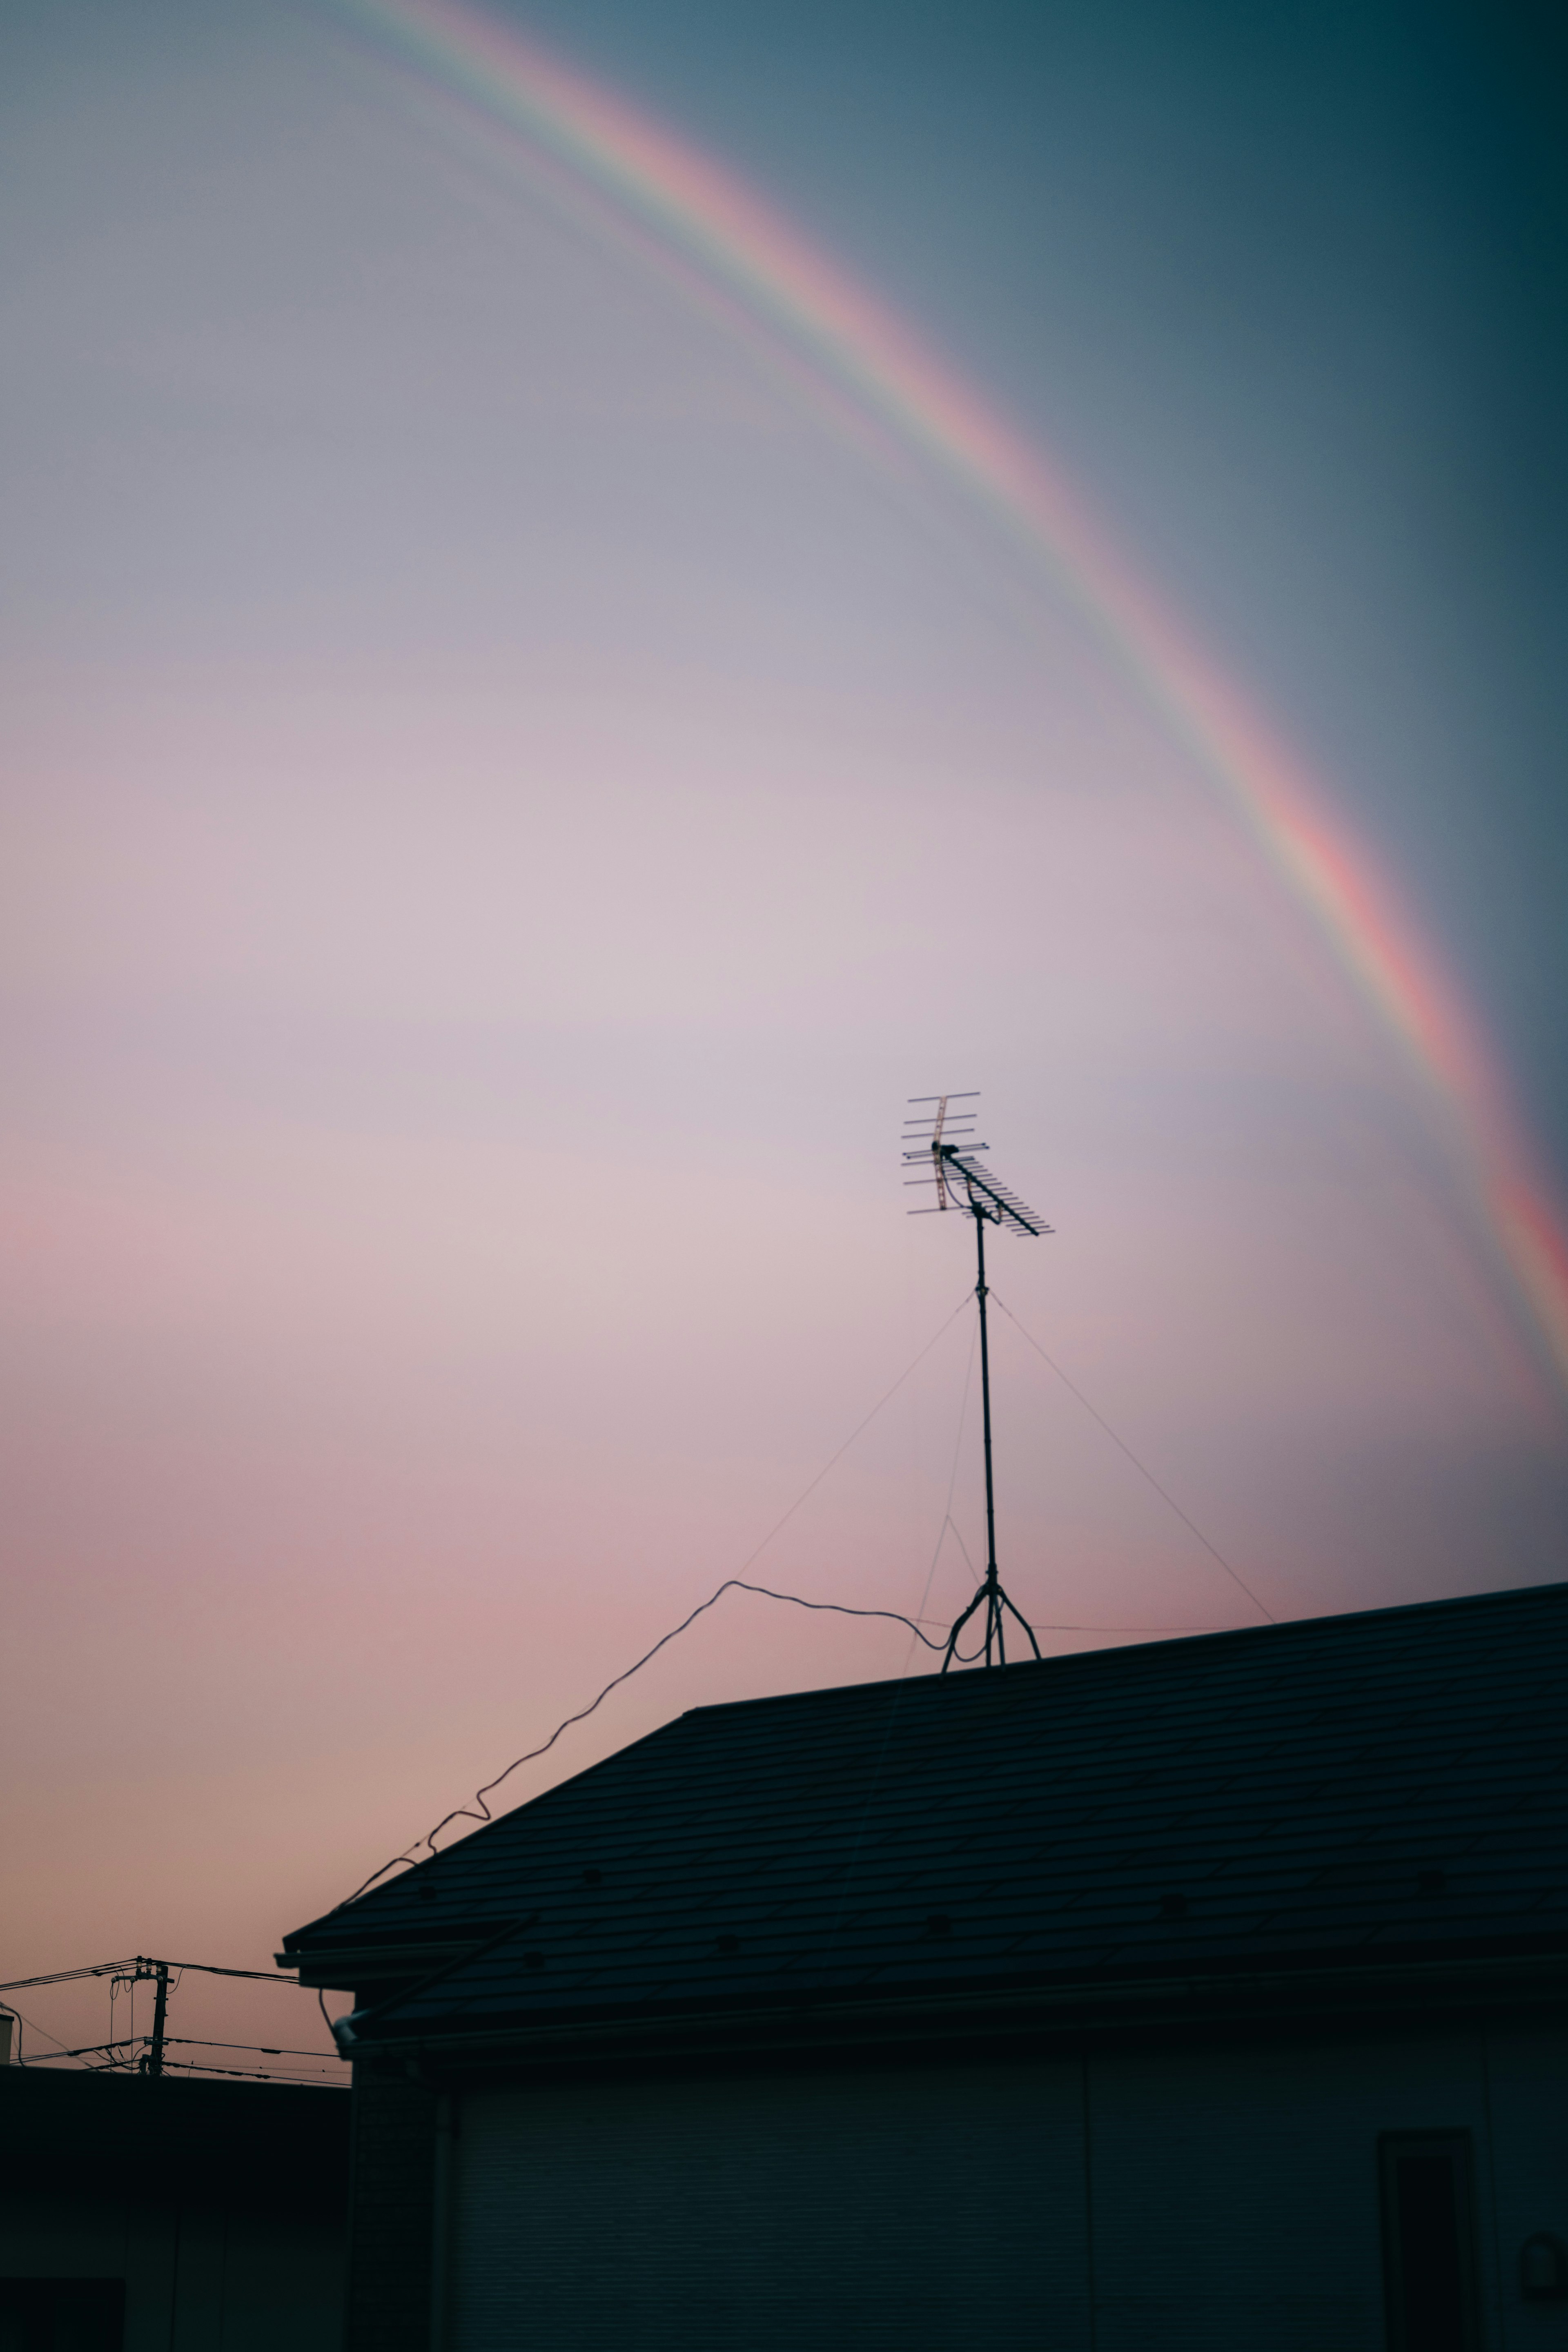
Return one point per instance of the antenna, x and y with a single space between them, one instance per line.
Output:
944 1140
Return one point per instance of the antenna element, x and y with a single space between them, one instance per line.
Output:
945 1142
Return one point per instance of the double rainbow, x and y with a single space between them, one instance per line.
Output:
705 215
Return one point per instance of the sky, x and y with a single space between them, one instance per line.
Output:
593 597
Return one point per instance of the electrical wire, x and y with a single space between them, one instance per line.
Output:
1142 1468
27 2021
94 2049
407 1859
129 1973
730 1584
121 1968
249 2075
256 2048
116 1984
46 2057
67 1975
109 2051
480 1811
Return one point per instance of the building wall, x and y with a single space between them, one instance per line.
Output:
392 2200
1237 2193
221 2206
196 2279
1525 2183
1225 2199
915 2209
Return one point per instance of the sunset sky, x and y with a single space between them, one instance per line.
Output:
595 595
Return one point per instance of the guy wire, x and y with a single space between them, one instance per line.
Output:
732 1583
1142 1468
952 1484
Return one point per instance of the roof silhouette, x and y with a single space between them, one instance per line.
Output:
1377 1789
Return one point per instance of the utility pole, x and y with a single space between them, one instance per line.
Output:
152 2057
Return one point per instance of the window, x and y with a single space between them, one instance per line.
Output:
1428 2242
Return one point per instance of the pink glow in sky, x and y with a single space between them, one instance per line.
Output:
502 806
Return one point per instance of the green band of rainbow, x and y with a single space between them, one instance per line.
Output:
710 216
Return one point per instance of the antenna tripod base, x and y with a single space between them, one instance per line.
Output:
994 1600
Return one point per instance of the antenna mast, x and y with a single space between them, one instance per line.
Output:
947 1142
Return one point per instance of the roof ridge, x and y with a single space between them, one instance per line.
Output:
1080 1659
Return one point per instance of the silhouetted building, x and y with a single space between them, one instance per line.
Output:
186 2215
1205 1994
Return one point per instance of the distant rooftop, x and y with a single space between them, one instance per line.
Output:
266 2145
1384 1789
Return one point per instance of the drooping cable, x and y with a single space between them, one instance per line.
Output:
407 1859
32 2028
730 1584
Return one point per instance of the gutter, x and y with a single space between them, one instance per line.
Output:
866 2025
347 2032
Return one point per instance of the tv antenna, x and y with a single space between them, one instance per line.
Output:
944 1142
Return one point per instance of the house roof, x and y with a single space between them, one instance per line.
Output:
1381 1789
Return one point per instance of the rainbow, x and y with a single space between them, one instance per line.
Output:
703 214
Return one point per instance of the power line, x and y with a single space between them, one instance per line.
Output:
249 2075
70 1976
93 2049
139 1960
27 2021
257 2049
115 2062
137 1968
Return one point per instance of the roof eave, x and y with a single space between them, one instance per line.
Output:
1400 1985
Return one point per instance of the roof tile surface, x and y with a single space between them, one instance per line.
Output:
1391 1783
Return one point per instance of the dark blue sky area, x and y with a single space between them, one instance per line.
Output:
1286 287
